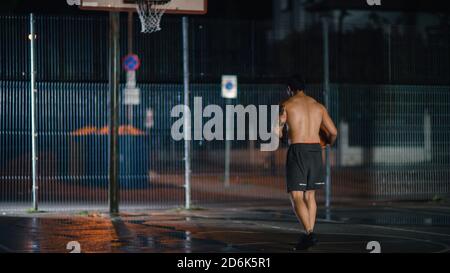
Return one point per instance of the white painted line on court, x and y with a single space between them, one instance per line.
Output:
363 225
389 228
5 248
405 230
418 211
445 246
222 231
385 227
255 243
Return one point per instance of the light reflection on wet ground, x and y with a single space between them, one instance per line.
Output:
271 229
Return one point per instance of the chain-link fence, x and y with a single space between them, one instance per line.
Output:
393 141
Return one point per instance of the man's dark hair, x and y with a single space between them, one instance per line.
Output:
296 83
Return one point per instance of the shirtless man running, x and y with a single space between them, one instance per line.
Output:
305 118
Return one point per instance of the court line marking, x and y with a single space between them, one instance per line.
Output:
364 225
386 227
380 226
7 249
406 230
255 243
221 231
418 211
361 225
446 247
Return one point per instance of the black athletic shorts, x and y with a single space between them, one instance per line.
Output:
304 167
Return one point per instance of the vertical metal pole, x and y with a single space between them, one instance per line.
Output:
253 47
130 32
389 30
187 121
130 50
326 90
33 114
114 18
227 147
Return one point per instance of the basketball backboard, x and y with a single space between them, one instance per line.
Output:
173 7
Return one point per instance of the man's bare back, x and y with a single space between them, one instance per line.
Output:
305 117
305 173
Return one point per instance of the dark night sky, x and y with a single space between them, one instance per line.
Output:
244 9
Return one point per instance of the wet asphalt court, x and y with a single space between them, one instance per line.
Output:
400 228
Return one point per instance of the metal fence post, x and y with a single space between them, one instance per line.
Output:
326 90
114 19
187 121
33 114
389 32
130 51
228 138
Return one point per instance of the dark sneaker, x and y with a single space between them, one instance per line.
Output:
302 243
312 237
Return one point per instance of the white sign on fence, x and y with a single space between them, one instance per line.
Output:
132 96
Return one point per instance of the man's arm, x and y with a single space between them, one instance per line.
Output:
328 126
281 121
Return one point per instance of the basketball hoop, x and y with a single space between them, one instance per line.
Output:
150 12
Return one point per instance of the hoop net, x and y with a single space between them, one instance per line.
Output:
150 13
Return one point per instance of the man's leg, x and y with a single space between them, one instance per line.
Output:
310 199
301 209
